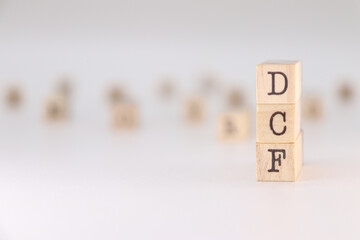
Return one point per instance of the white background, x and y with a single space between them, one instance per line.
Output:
167 180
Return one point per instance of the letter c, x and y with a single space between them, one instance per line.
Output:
283 114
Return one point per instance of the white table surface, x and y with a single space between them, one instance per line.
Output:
167 180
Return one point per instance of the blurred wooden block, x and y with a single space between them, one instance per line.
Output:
234 125
56 108
235 98
125 115
64 87
280 162
194 110
278 82
277 123
166 88
346 92
13 97
312 108
209 83
116 95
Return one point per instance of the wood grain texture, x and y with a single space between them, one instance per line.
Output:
124 115
234 125
291 161
264 82
278 123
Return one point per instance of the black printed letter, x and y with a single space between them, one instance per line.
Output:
272 126
273 92
274 159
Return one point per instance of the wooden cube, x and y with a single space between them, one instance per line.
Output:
278 82
166 88
13 97
125 115
56 108
209 83
194 110
234 125
346 92
277 123
312 108
235 98
116 95
64 87
280 162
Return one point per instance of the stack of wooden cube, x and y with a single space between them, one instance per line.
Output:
278 121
